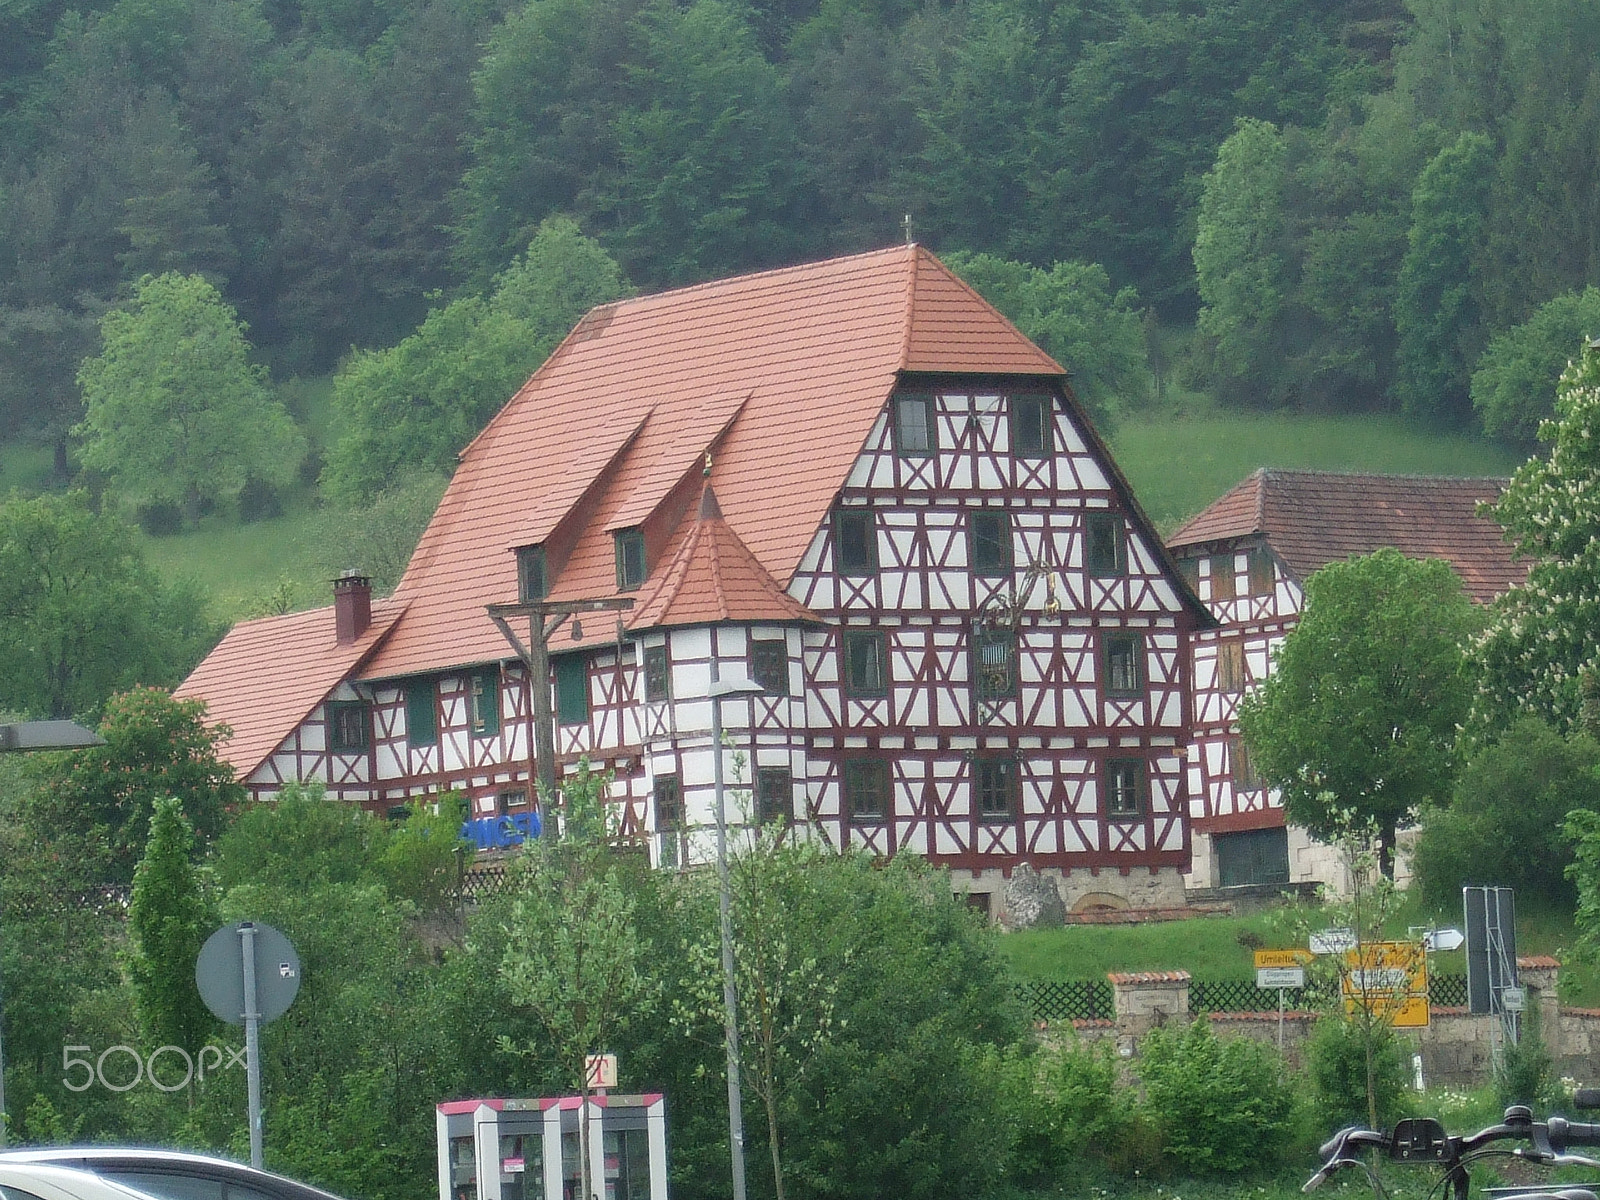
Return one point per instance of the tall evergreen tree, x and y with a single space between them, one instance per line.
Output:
169 919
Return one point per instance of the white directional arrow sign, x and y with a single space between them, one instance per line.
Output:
1444 939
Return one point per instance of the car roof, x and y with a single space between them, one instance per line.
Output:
177 1162
50 1181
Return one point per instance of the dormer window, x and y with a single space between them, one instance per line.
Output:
631 570
532 582
913 425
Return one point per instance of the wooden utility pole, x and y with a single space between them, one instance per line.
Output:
545 617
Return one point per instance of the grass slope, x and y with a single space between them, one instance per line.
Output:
1180 463
1177 464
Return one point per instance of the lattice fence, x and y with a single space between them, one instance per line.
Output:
1448 990
1089 999
1240 995
1066 999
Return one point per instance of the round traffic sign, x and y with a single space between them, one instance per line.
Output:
219 972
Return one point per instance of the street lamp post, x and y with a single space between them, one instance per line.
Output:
14 738
720 690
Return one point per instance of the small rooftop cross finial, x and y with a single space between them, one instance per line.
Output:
706 471
905 223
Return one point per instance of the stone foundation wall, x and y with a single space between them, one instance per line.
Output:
1024 897
1456 1047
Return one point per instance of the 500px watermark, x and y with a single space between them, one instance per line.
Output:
125 1059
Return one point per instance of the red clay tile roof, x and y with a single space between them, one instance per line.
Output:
1126 977
781 373
266 676
1312 518
713 577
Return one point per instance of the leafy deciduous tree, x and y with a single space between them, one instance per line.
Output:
175 411
1514 383
83 615
156 747
1361 711
1504 824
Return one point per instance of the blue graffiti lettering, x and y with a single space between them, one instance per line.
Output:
498 833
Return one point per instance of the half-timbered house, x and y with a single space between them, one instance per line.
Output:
853 483
1248 556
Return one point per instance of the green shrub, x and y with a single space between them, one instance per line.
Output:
1068 1108
1336 1059
1525 1072
1220 1106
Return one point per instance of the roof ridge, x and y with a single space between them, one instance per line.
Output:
728 280
1418 476
910 321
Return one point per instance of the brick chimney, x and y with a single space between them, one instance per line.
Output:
352 606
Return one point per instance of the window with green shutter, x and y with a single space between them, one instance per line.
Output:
572 690
422 714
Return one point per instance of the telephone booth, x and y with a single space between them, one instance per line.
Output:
529 1149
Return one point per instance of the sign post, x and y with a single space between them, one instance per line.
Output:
1281 969
248 973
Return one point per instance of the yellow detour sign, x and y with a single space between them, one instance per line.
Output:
1388 980
1266 959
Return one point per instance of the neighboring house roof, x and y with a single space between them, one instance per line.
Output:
780 375
267 676
1312 518
713 577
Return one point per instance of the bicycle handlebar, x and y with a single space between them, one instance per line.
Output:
1423 1140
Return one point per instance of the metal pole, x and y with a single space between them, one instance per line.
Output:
2 1048
730 998
1280 1020
252 1037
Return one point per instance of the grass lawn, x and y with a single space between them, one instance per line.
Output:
242 566
1179 463
1210 947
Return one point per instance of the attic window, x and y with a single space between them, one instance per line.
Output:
631 570
349 726
1031 426
914 431
532 583
1262 576
855 542
1106 552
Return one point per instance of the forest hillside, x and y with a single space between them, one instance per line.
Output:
1368 206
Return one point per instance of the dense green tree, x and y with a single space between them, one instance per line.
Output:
1072 312
169 919
1242 257
1505 822
1539 648
704 182
156 747
1436 309
176 413
1360 713
83 615
1514 383
415 406
171 207
378 538
549 89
